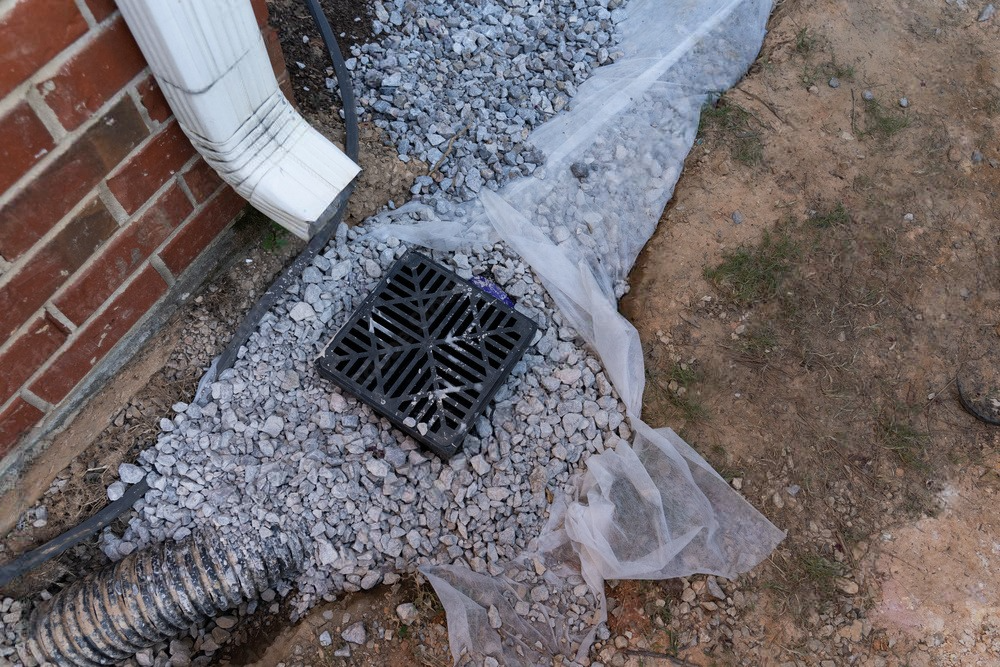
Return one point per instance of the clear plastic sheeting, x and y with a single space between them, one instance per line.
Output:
655 509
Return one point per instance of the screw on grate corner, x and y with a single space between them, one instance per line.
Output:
427 351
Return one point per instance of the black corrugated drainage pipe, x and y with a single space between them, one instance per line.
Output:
152 595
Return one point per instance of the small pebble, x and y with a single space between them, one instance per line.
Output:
115 491
493 615
407 613
131 474
355 633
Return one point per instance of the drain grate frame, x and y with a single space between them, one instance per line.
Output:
427 350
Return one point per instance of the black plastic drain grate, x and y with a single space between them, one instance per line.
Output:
428 351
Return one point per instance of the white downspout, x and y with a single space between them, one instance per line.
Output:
209 59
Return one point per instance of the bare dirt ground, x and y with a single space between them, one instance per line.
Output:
827 265
823 333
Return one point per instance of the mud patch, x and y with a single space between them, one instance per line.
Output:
938 575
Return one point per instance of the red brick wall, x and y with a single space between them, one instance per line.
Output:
103 201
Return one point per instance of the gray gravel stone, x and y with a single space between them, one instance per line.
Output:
407 613
301 311
714 589
115 491
355 633
131 474
273 426
493 615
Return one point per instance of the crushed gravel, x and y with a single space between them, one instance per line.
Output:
459 85
279 448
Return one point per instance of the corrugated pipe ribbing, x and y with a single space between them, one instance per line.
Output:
152 595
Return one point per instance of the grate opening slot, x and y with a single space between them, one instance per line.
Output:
406 384
498 351
431 281
458 403
354 346
385 323
450 310
448 356
396 364
469 355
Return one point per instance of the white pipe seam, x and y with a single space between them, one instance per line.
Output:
210 61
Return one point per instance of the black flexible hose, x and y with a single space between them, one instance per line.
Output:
343 77
329 222
29 561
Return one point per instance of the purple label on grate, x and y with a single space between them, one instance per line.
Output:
492 289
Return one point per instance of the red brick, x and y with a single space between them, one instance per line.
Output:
260 11
15 422
94 341
27 354
94 75
52 265
273 46
66 181
123 255
32 32
153 99
285 84
201 230
136 180
23 142
202 180
101 9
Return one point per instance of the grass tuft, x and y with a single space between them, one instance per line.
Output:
900 438
881 123
733 126
675 386
822 73
752 274
842 72
758 342
805 42
276 237
821 572
834 217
